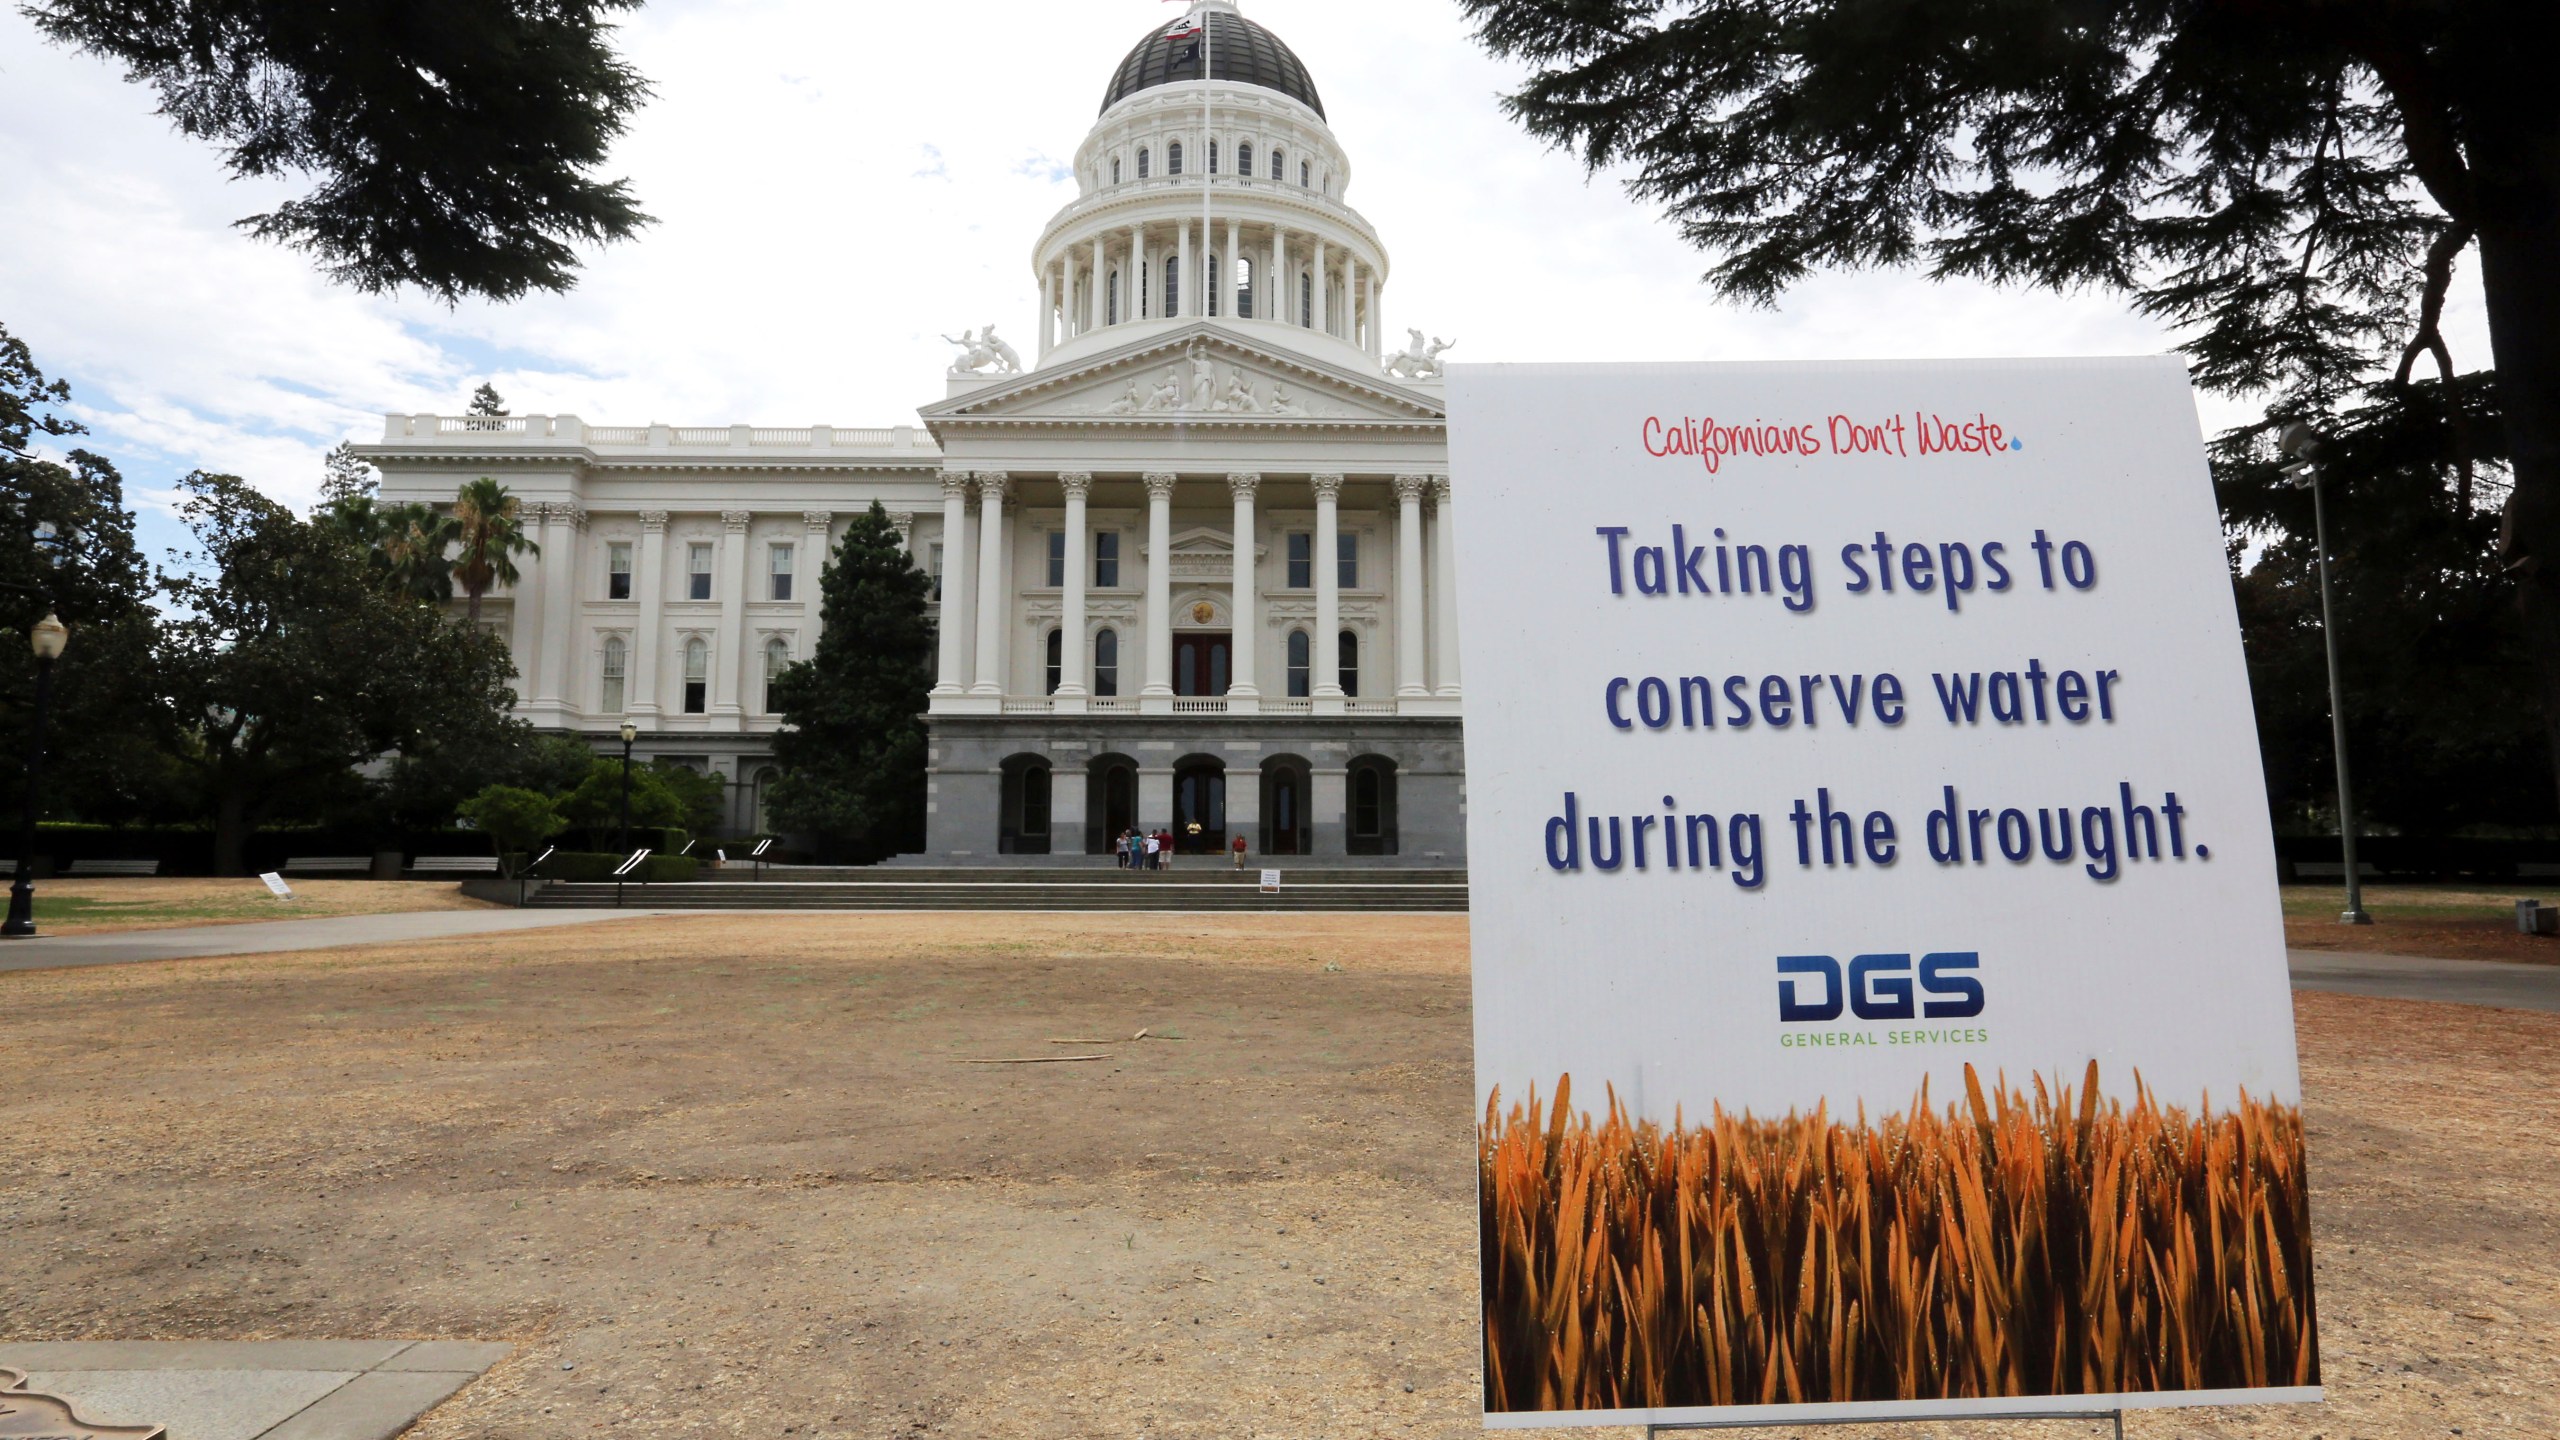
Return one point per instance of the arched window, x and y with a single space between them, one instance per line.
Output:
1299 665
1106 663
1173 158
1111 299
1142 164
777 658
1172 288
1244 159
1115 169
1350 655
697 676
1213 157
1307 300
1368 801
1246 270
1056 660
1372 807
1306 175
617 660
1279 165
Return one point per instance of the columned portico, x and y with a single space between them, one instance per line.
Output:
994 583
1328 577
1158 693
1243 694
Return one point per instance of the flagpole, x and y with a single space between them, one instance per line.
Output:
1209 154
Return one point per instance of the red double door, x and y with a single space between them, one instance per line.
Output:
1202 662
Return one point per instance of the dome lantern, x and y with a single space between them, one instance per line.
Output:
1242 53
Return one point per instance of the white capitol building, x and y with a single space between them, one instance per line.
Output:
1193 559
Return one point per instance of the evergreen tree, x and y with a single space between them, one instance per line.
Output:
853 748
2291 183
453 144
486 401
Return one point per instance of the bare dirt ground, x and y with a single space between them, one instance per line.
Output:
72 906
729 1176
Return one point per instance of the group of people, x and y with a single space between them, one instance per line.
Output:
1153 850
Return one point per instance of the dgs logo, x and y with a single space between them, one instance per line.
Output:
1879 987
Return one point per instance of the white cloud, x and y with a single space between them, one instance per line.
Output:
835 186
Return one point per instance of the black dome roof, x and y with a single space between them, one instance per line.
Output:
1243 52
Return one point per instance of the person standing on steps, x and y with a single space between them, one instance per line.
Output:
1235 847
1154 861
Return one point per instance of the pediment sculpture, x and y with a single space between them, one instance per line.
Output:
984 354
1419 360
1203 385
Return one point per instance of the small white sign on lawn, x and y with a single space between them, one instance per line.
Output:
1270 882
276 885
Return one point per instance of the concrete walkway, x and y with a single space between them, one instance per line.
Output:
47 952
253 1390
2501 983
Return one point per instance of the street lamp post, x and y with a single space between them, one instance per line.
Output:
47 639
630 732
2301 444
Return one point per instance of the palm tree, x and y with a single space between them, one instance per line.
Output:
486 525
409 547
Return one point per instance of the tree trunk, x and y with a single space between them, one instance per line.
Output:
231 833
2516 167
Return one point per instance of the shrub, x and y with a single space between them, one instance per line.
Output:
590 867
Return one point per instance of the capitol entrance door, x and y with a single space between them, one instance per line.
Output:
1200 662
1200 797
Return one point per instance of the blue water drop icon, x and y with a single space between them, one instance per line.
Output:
2016 444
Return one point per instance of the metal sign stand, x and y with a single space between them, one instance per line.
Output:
2114 1417
757 855
638 858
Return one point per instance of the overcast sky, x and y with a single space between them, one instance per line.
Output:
836 185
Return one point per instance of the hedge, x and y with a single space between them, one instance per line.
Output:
591 866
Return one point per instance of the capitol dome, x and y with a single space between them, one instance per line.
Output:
1242 52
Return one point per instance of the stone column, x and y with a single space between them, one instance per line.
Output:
1411 674
1231 282
1444 594
729 647
1275 293
1048 313
1133 289
649 582
1369 308
1377 317
1159 686
1191 287
559 596
1246 601
809 581
995 579
951 671
524 613
1323 296
1095 287
1325 644
1075 652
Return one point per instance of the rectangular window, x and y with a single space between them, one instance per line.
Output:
616 661
1302 565
1348 561
778 560
1057 558
1106 663
697 676
617 575
697 564
1106 560
937 574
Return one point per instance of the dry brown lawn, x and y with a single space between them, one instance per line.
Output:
72 906
728 1175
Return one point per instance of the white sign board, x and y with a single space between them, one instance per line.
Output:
276 885
1270 882
1874 899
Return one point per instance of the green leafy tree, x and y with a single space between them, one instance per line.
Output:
67 546
454 145
658 799
285 664
515 819
852 750
2291 183
489 531
487 402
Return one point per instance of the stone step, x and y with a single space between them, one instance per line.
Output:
1134 894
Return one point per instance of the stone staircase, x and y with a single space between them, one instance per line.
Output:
1200 888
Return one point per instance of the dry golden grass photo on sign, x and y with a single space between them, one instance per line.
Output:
2007 1245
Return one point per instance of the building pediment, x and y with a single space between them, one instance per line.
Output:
1200 374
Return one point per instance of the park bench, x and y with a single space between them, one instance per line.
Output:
456 864
329 865
113 867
